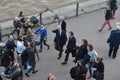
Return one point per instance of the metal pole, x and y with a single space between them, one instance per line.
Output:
0 34
40 18
77 9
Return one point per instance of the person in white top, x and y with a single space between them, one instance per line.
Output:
20 48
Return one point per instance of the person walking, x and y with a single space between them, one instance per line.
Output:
82 51
92 60
20 48
114 41
60 40
70 46
43 36
31 60
113 6
10 45
107 18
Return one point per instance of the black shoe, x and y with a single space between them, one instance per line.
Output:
48 47
109 55
100 30
113 57
64 63
59 57
27 74
34 71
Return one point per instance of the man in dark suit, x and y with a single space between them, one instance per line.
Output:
70 46
60 40
62 23
114 41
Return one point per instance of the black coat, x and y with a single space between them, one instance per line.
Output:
71 43
78 72
63 25
71 46
113 4
60 39
99 66
5 59
10 45
114 38
82 52
108 14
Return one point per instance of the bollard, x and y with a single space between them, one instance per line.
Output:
77 9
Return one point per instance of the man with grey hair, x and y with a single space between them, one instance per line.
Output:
60 40
62 23
114 41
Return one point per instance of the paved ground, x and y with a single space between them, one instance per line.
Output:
11 8
84 26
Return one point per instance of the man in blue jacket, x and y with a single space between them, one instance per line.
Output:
43 36
114 41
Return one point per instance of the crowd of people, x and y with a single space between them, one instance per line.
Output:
85 57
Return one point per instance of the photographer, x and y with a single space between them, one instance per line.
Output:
78 72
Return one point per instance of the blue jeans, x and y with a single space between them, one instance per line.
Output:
24 64
90 67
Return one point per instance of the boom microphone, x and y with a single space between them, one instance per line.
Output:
49 9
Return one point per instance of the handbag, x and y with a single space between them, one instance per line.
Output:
98 75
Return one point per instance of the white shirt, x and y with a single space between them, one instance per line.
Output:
20 47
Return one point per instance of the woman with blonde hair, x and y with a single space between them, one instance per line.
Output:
51 77
98 73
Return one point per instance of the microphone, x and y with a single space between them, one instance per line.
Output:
49 9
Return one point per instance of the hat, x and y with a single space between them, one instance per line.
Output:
118 25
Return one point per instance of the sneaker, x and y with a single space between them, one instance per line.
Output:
34 71
27 74
100 30
59 57
48 47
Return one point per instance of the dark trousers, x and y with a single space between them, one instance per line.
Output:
11 54
66 57
24 64
43 41
113 49
31 68
60 50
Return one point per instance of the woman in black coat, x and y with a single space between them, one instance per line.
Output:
99 66
82 52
